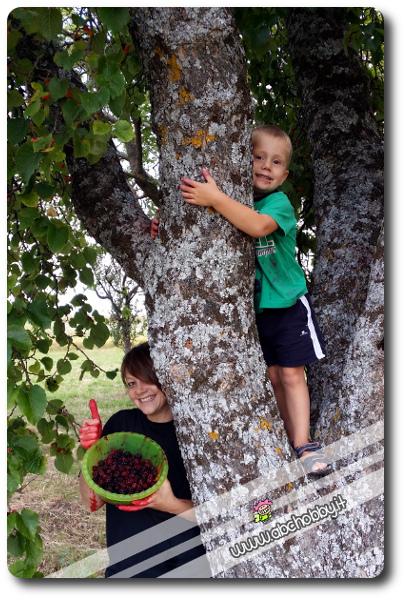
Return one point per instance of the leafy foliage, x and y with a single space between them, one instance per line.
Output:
71 84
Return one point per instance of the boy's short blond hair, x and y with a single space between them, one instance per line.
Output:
277 132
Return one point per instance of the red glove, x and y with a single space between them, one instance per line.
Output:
154 228
91 429
136 504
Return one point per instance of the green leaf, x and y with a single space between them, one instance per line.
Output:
29 199
33 108
42 142
58 235
63 421
19 338
91 102
32 402
58 88
63 366
81 144
101 128
115 19
86 276
11 522
16 544
64 462
42 282
14 99
111 374
63 59
39 313
80 452
43 345
27 523
28 216
54 406
29 262
90 254
21 569
26 162
88 343
71 111
50 20
16 130
123 131
117 104
46 430
34 550
100 334
47 362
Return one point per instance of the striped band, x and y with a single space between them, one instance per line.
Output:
313 334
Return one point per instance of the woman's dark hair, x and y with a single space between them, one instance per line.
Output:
138 363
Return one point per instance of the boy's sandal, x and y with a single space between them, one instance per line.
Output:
316 456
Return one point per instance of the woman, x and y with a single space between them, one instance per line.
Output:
152 417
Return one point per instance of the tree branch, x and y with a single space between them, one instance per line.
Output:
134 157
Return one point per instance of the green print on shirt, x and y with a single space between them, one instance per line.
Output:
264 246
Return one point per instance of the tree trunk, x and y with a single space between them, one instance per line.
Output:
347 153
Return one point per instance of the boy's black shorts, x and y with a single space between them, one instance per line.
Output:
290 337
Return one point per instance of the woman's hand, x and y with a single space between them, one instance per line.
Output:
163 499
154 226
91 429
201 194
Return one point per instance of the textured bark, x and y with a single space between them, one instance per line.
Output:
109 210
201 320
347 153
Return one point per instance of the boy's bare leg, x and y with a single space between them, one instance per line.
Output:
297 402
274 376
297 405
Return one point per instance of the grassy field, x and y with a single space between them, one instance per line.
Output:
68 531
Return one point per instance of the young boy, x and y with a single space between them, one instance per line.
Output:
288 332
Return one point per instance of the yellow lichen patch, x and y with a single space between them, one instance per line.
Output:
264 424
289 486
174 68
337 415
159 52
214 435
201 138
279 451
163 133
185 96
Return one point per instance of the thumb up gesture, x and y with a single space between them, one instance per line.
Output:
91 429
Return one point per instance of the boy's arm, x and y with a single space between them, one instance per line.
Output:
90 500
243 217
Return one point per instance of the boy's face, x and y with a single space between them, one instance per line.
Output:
270 161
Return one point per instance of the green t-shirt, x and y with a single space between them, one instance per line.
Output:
279 280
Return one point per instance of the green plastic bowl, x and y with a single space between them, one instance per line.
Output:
136 443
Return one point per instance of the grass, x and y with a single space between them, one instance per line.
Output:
110 394
68 531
